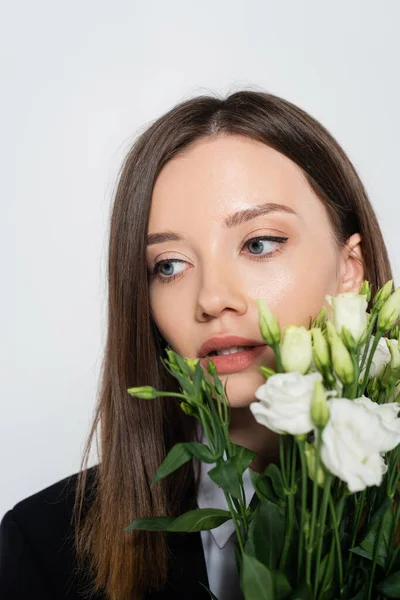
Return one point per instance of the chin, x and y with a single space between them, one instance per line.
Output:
242 386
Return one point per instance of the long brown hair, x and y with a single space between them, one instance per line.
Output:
136 434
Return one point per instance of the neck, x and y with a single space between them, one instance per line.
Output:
245 431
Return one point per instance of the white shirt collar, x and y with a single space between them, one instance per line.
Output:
210 495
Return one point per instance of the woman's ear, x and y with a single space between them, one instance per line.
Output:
352 274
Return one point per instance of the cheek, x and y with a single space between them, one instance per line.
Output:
169 315
297 292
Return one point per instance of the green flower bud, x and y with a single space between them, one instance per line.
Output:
211 368
189 410
382 295
172 359
319 319
296 349
341 359
311 458
394 350
145 391
191 363
320 349
366 290
267 372
269 326
319 406
348 339
389 313
394 334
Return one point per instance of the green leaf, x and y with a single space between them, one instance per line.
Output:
254 504
382 518
243 457
263 487
361 581
282 585
200 519
225 475
178 455
361 594
267 534
391 585
200 451
360 552
256 579
151 524
301 593
274 473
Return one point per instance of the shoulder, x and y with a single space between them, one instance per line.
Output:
37 540
52 504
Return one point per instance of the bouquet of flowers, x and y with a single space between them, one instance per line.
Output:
323 523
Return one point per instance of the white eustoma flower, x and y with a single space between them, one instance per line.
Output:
380 359
351 444
348 310
388 435
285 402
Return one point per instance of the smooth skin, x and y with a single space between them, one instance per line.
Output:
211 279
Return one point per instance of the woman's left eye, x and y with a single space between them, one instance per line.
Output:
258 242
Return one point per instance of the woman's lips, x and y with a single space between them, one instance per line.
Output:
231 363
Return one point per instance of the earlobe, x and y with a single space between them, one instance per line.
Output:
352 265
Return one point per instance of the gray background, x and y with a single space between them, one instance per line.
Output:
80 79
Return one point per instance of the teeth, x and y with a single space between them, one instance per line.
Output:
225 351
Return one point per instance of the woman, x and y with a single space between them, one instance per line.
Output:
219 202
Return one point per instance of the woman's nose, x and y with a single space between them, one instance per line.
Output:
219 290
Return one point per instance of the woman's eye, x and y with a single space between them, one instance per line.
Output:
260 249
164 270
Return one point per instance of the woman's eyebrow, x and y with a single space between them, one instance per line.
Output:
234 220
255 211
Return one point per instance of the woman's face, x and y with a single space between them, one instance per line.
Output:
216 264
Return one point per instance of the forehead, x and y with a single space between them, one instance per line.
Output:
217 176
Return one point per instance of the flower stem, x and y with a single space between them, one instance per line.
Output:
235 521
291 503
394 475
321 521
289 531
369 362
354 387
310 544
335 517
282 461
243 506
304 480
360 508
277 352
369 333
393 540
377 541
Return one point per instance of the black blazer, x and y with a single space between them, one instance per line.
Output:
37 557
